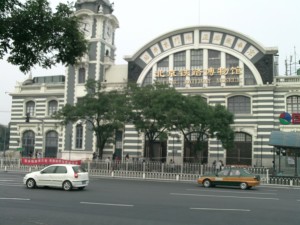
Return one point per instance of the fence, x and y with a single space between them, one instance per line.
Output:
188 172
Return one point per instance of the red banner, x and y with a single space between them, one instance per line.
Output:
48 161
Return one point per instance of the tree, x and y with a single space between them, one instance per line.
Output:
193 117
31 34
103 111
4 138
150 110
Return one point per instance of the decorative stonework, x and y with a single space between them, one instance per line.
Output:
177 40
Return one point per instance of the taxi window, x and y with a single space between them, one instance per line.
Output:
223 173
235 173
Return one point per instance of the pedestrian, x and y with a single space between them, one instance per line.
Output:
172 165
127 158
219 165
94 156
107 160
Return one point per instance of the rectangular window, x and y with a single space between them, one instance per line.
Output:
79 136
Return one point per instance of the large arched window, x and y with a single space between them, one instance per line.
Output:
51 144
239 104
79 136
30 108
293 104
52 107
81 76
28 141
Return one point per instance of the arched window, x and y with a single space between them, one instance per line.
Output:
81 76
79 136
52 107
239 104
28 141
30 107
293 104
51 144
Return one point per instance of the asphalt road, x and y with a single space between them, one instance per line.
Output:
112 201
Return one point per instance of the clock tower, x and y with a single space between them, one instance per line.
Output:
98 25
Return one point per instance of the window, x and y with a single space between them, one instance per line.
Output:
197 59
61 169
239 105
52 107
81 76
248 76
162 75
148 79
214 63
30 108
179 68
50 169
232 62
79 136
293 104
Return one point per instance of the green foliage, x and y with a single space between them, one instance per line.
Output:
34 35
104 111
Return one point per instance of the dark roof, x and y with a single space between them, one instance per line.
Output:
285 139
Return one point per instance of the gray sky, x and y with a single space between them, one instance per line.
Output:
272 23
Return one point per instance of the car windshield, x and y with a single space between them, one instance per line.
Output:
78 169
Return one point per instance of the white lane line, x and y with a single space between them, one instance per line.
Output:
12 185
106 204
17 199
223 196
248 192
6 180
216 209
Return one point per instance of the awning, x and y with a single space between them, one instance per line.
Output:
285 139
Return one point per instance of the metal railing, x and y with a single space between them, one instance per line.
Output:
188 172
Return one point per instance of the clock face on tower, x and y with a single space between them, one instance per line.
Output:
85 27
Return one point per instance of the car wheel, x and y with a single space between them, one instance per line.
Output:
243 186
67 186
30 183
206 183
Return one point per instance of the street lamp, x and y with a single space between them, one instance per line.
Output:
261 151
215 134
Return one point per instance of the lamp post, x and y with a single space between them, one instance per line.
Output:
43 138
261 151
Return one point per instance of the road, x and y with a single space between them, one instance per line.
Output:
137 202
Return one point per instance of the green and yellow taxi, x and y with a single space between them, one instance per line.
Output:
240 177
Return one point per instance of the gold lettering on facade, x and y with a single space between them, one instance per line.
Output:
223 71
172 73
197 72
210 71
184 73
236 70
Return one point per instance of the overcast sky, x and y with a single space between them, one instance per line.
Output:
272 23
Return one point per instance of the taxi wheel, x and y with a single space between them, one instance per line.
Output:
243 186
67 186
206 183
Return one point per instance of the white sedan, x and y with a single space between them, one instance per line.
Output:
66 176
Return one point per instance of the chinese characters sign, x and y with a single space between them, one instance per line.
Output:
48 161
